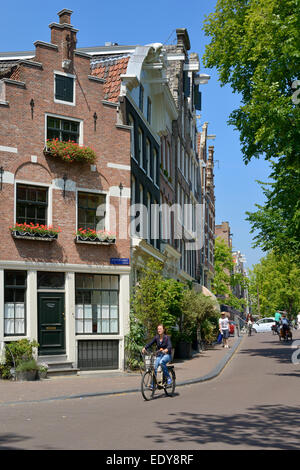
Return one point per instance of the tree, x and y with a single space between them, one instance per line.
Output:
224 278
255 48
275 282
277 223
156 300
199 316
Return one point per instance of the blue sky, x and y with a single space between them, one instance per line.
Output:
140 22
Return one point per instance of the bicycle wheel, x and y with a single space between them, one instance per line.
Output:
170 389
148 385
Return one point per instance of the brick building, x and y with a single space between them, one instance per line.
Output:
64 292
206 159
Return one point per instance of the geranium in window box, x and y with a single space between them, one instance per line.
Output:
93 236
69 151
34 231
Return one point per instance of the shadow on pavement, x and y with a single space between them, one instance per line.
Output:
282 353
263 427
10 438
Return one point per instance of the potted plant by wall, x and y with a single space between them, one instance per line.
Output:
34 231
100 236
43 370
69 151
16 352
27 370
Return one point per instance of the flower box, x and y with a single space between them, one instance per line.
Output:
69 151
34 236
94 240
34 232
93 237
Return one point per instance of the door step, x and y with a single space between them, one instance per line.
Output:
58 365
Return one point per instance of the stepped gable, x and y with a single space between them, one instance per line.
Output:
110 68
8 69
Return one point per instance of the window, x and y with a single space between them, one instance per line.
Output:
148 218
133 189
32 204
149 110
50 280
62 129
131 123
155 161
97 304
148 156
91 211
140 150
14 302
64 88
141 98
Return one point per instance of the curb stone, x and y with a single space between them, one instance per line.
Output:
214 373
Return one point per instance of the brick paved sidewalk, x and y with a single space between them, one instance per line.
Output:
89 383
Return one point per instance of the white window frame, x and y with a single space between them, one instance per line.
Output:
107 205
64 74
66 118
34 183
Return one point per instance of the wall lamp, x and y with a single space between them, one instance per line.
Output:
121 188
1 177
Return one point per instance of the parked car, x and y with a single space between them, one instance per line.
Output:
264 324
231 327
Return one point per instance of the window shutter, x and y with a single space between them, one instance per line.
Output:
64 88
186 84
197 98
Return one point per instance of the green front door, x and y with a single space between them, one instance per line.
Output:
51 314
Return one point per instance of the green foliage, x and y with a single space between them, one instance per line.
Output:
277 223
156 300
254 44
70 151
27 366
224 278
275 285
134 342
21 351
200 315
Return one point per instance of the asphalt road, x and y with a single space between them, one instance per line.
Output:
253 404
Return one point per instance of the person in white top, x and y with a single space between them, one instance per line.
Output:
224 328
298 320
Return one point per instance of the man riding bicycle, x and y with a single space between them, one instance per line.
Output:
163 347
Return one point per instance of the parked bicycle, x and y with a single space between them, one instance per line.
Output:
152 382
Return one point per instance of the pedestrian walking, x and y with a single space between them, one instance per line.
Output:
224 328
298 320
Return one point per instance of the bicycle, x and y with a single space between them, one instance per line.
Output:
149 383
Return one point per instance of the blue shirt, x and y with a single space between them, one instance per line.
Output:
165 343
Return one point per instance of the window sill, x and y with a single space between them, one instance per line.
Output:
34 237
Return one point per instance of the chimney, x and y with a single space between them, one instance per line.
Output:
65 16
63 35
183 40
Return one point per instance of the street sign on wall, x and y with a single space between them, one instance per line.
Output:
122 261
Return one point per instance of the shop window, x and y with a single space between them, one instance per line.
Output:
97 304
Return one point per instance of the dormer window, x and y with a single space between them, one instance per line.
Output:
64 88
